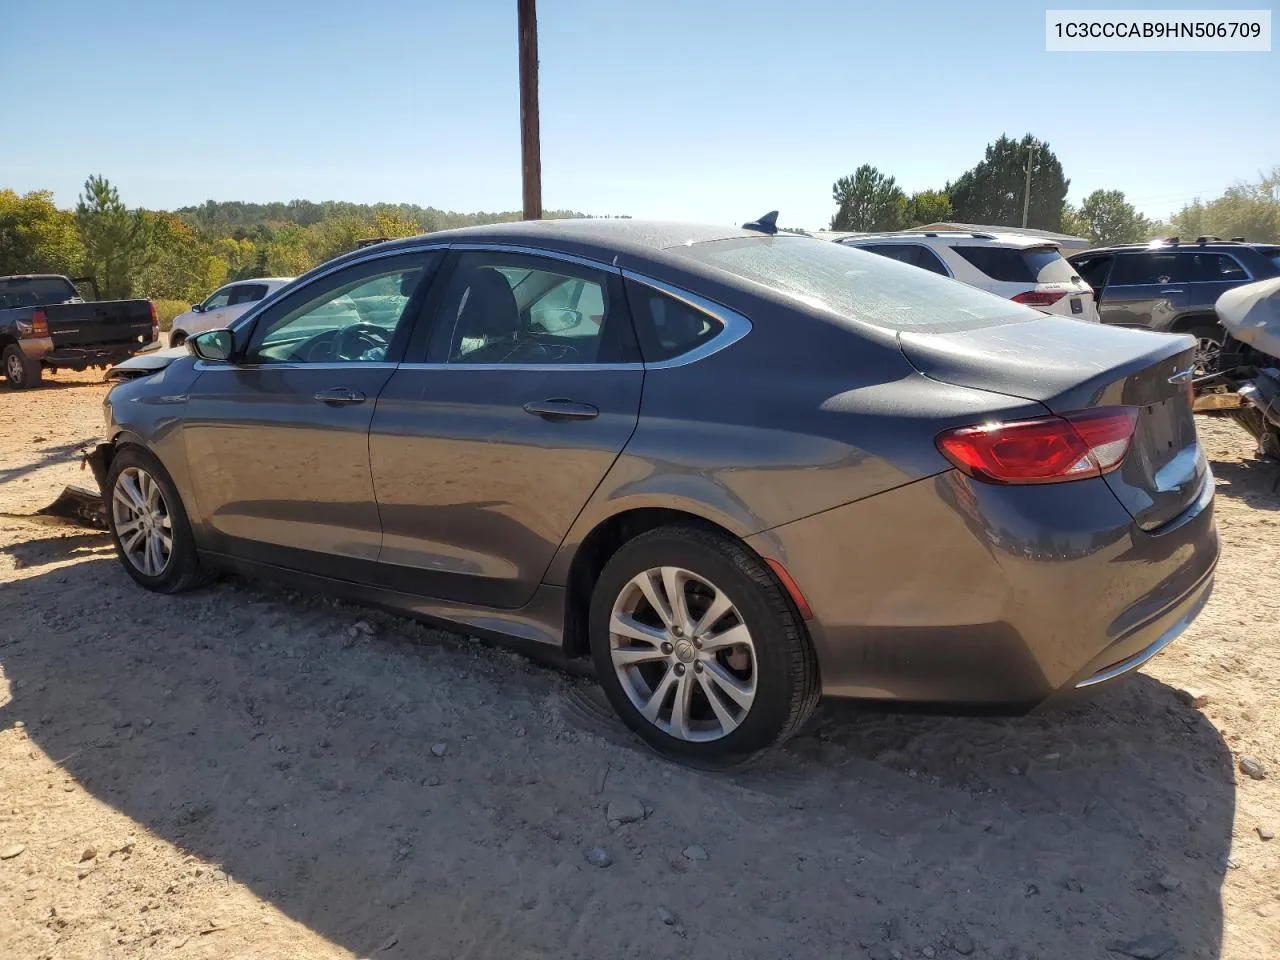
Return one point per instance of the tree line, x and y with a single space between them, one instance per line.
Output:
178 257
992 192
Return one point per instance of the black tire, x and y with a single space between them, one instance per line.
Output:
182 570
786 669
21 371
1207 360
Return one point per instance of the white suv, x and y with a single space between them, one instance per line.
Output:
1026 269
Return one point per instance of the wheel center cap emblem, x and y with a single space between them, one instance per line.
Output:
685 652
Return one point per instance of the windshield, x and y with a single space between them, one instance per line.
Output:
35 291
858 285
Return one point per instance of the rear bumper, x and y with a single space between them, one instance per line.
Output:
969 595
43 350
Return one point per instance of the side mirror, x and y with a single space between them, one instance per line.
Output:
197 308
216 346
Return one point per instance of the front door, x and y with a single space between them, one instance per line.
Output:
484 455
277 441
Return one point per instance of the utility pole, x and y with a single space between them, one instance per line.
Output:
530 151
1026 195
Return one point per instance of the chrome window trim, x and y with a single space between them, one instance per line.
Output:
535 252
734 326
535 367
212 365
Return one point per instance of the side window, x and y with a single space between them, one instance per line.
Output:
502 308
219 298
1135 269
1094 271
668 327
351 316
1004 264
902 252
1218 268
247 293
930 261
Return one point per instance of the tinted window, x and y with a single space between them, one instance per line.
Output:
1048 265
1094 270
912 253
667 327
928 260
1218 267
32 291
349 317
507 308
1150 268
999 263
1271 253
247 293
857 285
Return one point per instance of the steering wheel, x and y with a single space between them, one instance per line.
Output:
354 341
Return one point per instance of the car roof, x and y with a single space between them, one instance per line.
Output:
1187 246
1019 240
613 235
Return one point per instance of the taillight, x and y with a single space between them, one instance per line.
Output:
1047 450
155 321
1039 298
37 326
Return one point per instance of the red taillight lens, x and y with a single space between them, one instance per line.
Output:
1039 298
37 326
155 320
1048 450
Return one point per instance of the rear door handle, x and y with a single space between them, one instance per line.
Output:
1172 290
559 409
339 396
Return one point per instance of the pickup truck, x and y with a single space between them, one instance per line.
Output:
46 325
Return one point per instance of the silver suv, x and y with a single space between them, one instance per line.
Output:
1028 270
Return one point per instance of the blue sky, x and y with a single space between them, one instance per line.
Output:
695 110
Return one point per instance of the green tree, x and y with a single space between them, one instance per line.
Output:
868 200
928 206
116 239
992 192
1105 217
1250 210
37 237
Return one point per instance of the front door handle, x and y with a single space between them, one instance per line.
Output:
339 396
1172 290
559 409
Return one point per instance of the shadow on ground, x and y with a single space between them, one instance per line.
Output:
247 726
1256 482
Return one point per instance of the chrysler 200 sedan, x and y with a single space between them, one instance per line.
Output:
737 469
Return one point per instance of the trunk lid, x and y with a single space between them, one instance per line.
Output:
101 323
1070 366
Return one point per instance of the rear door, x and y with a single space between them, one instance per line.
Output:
278 441
1146 288
1210 276
485 450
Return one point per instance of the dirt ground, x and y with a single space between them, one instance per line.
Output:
249 772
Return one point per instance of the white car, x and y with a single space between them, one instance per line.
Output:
1028 270
222 306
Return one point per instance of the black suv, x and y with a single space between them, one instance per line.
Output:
1171 285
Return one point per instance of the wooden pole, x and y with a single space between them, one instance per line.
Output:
530 151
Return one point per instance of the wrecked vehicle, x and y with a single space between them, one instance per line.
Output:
1250 387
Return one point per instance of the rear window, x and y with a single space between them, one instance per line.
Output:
857 285
1019 265
1271 253
35 291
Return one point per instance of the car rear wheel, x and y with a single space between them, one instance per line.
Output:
20 370
699 648
149 525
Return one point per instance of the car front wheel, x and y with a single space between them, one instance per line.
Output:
149 525
699 648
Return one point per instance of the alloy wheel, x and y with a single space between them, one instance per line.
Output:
14 369
683 654
1207 356
142 521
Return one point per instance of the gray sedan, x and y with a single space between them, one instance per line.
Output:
736 469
